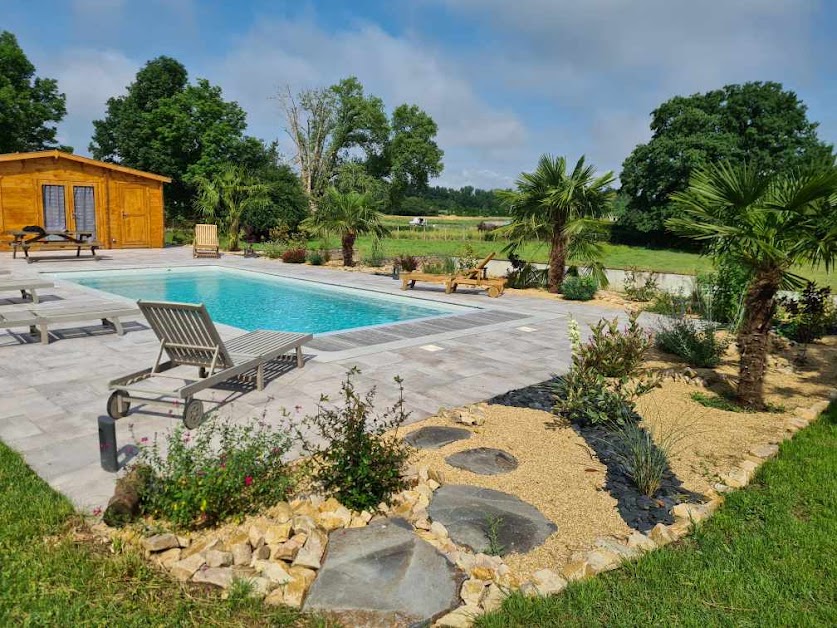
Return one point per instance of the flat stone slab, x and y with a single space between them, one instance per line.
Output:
386 574
483 461
436 436
473 515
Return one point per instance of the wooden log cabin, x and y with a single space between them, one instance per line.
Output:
123 207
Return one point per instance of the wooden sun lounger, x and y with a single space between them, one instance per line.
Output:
206 241
189 338
39 320
476 276
28 287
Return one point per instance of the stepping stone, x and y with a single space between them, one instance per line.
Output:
483 460
385 572
473 515
436 436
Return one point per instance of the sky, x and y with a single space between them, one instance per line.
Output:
505 80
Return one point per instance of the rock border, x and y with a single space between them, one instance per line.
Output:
279 553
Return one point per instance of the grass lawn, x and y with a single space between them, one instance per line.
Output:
767 558
50 578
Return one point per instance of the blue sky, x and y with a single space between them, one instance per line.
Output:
505 80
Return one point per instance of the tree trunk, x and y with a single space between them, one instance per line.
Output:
557 260
753 337
348 249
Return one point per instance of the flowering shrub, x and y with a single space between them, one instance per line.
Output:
294 256
808 317
407 263
222 470
614 352
363 456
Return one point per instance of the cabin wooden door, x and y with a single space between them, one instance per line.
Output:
135 216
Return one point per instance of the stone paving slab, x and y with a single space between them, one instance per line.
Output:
54 394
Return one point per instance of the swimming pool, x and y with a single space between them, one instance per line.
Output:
251 300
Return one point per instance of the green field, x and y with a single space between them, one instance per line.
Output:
767 558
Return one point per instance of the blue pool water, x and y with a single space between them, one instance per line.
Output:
250 300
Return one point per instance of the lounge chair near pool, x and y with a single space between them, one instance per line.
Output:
40 319
188 337
476 276
206 241
28 287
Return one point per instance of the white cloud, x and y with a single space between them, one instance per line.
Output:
88 77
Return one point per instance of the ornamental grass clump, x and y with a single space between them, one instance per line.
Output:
356 457
644 452
697 344
195 479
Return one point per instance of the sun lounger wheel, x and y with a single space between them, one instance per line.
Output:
193 413
118 404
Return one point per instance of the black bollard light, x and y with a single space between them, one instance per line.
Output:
107 444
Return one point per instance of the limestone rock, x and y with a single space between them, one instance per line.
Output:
765 451
185 568
218 576
242 553
261 553
301 581
690 512
493 598
641 542
287 551
472 591
661 535
256 537
160 542
736 478
462 617
749 466
217 558
277 533
273 571
341 517
303 523
168 557
312 552
439 530
275 598
577 570
281 512
548 582
202 545
482 573
603 560
260 587
622 551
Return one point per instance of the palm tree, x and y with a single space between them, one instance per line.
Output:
228 196
348 214
562 208
768 224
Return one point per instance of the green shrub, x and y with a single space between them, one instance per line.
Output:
596 391
670 303
220 471
376 257
719 296
615 352
273 250
698 344
579 288
640 286
808 317
316 258
294 256
362 459
407 263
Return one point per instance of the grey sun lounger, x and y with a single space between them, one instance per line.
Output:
40 319
188 337
28 287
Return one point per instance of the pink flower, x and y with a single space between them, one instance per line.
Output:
97 511
298 408
248 480
144 439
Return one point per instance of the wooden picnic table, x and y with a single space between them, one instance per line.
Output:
53 239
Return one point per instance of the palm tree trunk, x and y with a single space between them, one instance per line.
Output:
348 248
753 336
557 260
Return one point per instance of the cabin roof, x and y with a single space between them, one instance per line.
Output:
57 154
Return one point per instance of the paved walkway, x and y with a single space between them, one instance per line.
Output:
53 395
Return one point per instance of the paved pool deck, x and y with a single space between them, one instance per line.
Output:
53 395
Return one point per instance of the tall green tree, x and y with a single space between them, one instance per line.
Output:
166 125
413 155
760 123
229 197
348 214
30 106
562 207
768 223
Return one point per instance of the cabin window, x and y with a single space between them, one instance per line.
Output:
84 208
55 217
